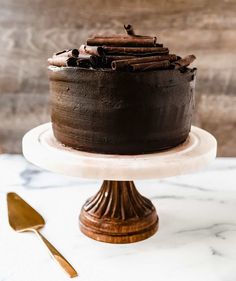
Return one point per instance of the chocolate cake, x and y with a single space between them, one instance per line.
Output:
122 102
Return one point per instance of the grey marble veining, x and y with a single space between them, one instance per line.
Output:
196 238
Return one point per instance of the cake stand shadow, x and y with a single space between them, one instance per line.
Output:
118 213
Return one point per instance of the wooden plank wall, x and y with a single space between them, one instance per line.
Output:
31 31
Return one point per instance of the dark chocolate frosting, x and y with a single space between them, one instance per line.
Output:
112 112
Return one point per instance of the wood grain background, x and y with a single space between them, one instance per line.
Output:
31 31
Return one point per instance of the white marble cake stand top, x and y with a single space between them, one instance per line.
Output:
42 149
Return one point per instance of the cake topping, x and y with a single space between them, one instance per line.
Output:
129 52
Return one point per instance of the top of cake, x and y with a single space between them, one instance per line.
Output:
130 52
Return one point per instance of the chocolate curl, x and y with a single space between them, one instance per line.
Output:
107 60
96 61
110 37
61 52
90 50
58 61
68 53
184 62
60 58
122 37
71 61
150 65
125 63
84 62
62 61
145 51
129 29
88 60
129 41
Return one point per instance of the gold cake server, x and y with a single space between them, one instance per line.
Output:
22 217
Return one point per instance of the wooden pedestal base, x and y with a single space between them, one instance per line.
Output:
118 213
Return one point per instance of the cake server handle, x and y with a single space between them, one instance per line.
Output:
57 256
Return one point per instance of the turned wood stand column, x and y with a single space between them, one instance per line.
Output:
118 213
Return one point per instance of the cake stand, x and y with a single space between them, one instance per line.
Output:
118 213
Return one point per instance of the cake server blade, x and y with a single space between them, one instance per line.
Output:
22 217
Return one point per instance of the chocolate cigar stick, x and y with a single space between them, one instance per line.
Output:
96 61
84 51
68 53
85 63
129 29
90 60
61 52
130 41
62 61
150 65
125 63
184 61
107 60
121 37
134 50
90 50
82 62
116 36
75 52
71 61
58 61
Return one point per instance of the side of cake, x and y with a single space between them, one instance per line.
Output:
124 108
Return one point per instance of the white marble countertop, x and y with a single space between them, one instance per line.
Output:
196 238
